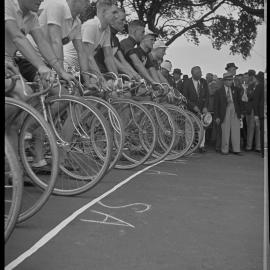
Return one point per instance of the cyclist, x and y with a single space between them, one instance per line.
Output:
21 19
118 25
60 23
96 34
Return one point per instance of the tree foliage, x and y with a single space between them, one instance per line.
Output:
224 22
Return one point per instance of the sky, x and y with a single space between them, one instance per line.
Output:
185 55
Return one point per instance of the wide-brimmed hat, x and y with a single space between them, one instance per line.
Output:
229 65
177 71
227 76
206 119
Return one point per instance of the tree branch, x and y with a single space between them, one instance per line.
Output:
171 40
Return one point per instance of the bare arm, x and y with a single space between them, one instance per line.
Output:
47 51
89 50
140 68
109 59
23 44
56 42
154 74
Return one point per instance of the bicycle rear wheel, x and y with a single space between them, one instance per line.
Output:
198 132
140 133
13 188
84 141
117 128
184 132
166 131
34 132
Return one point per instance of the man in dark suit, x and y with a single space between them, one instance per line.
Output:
258 106
178 84
227 112
197 94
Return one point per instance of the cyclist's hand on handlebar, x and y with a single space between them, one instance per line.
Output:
136 77
10 69
46 76
67 77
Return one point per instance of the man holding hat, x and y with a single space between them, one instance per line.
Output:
178 84
197 94
227 111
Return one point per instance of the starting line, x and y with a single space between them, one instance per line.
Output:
51 234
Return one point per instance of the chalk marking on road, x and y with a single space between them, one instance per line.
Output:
160 173
182 161
119 222
145 205
47 237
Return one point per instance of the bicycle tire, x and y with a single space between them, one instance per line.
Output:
133 153
71 182
166 131
184 132
198 133
29 111
116 125
13 179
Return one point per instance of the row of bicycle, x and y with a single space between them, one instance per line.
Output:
67 142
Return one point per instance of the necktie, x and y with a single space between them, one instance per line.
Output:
229 99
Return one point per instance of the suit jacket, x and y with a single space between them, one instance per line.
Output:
250 95
193 99
179 86
220 102
258 100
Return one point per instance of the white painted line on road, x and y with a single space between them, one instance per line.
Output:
47 237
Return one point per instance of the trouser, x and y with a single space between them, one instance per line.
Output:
230 129
203 139
252 130
262 134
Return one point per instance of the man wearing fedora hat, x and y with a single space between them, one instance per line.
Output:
228 111
178 84
231 67
197 94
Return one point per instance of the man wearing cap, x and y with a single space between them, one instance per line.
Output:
197 94
258 106
250 120
166 68
178 84
227 111
156 56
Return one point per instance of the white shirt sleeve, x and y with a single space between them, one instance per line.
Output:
107 39
88 33
54 13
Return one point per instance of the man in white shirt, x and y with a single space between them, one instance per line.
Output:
95 34
228 111
21 19
60 23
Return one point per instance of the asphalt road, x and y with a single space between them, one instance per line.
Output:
202 212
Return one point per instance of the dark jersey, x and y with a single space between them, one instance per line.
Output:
99 56
127 46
